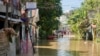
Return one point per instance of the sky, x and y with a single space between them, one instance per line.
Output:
70 4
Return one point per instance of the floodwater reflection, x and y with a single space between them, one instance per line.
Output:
67 46
63 46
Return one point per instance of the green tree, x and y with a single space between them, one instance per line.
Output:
48 11
78 16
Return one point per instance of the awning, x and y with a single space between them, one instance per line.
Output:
11 19
9 14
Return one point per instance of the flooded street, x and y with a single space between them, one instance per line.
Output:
67 46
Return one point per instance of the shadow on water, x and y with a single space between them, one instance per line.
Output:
45 42
47 52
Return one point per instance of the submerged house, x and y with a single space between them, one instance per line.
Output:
10 15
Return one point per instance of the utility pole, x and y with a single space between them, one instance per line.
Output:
6 19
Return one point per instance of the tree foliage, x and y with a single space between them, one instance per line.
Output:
78 16
48 11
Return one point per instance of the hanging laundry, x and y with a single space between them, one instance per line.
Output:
24 15
16 4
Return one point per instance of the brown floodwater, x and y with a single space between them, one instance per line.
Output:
67 46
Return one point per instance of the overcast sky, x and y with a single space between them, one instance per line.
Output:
70 4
